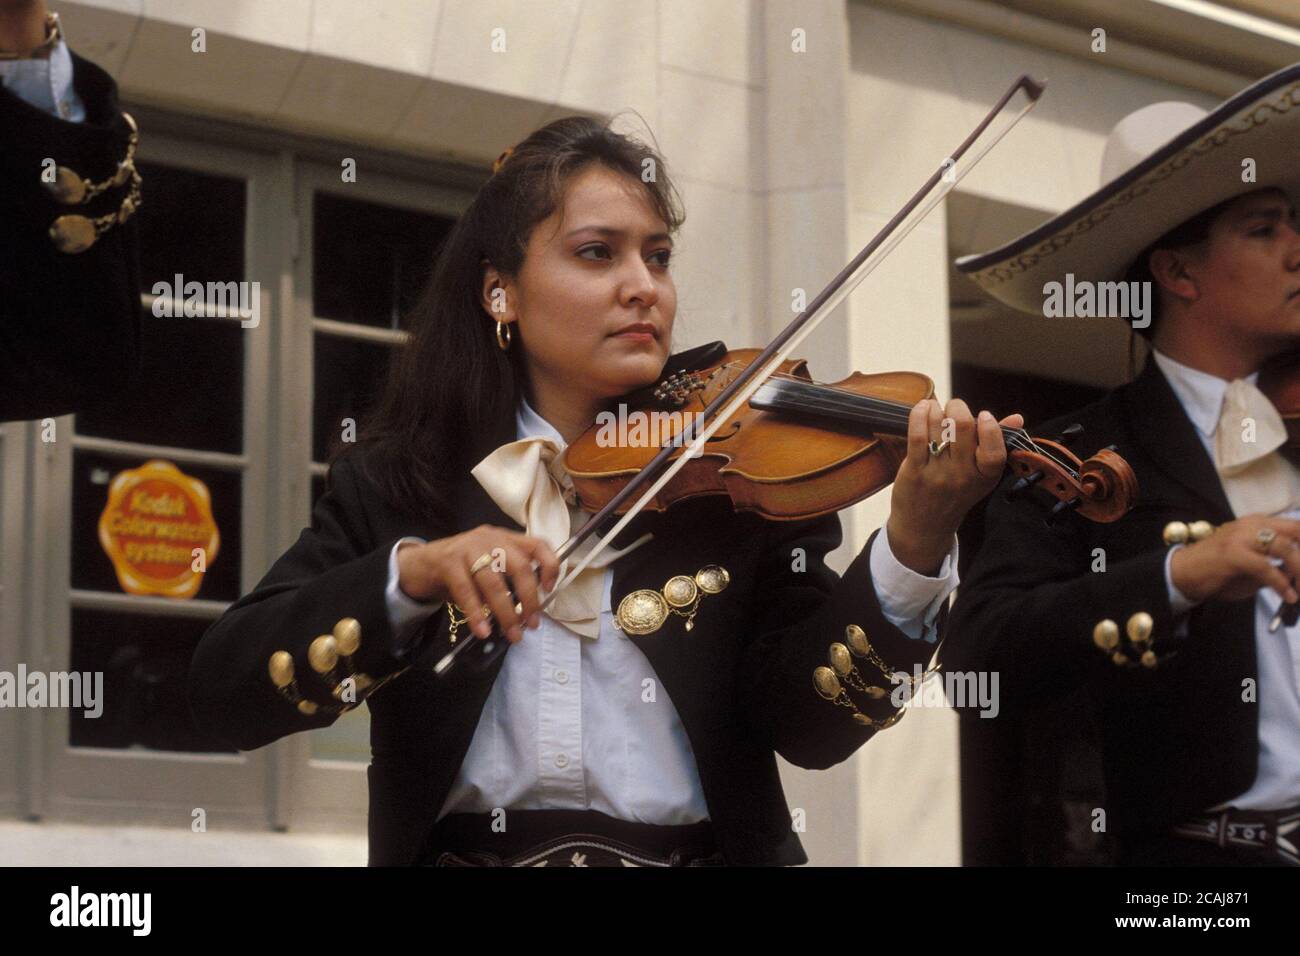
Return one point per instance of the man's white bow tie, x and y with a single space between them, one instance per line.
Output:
1256 480
528 483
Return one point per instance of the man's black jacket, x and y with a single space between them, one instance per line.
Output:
1177 739
741 679
69 324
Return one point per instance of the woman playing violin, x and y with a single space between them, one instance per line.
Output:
601 737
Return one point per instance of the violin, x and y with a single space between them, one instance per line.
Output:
800 449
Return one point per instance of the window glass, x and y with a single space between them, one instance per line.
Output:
145 661
349 377
190 223
189 393
370 261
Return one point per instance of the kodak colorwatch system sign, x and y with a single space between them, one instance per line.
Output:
157 529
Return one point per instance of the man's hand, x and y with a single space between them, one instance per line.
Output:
932 493
1232 564
22 25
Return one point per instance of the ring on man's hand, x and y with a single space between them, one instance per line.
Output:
1264 537
483 561
938 447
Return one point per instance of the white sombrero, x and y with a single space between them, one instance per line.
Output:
1162 165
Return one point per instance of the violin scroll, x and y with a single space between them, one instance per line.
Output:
1102 488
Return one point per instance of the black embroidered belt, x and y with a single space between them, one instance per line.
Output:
565 838
1278 830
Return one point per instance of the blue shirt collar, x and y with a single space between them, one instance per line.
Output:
529 424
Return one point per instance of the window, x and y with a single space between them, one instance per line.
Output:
188 401
369 262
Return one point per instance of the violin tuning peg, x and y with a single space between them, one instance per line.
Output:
1061 507
1023 484
1068 436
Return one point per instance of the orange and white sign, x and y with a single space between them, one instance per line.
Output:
157 529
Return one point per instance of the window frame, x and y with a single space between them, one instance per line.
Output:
92 784
328 793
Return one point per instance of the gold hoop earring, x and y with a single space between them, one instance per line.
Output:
503 341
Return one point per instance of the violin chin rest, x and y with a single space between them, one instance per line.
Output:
691 360
702 356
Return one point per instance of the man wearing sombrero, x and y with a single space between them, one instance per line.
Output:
1165 615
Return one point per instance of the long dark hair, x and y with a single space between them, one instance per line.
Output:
451 392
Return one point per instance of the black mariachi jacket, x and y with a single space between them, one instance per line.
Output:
69 323
1178 738
741 679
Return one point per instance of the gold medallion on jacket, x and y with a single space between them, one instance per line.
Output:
644 611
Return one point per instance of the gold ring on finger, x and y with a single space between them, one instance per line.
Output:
482 562
1265 537
938 447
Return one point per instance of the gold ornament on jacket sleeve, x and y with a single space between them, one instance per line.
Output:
644 611
830 681
73 233
325 654
280 667
1180 532
828 685
1136 646
842 663
347 639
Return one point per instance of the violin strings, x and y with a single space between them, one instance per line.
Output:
1015 438
1023 440
828 398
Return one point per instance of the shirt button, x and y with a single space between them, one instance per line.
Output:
561 760
561 677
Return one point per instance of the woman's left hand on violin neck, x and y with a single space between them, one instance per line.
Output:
933 492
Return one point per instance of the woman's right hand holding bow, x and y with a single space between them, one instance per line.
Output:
440 570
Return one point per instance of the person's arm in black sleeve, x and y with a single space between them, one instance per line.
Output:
1029 603
336 570
69 322
800 614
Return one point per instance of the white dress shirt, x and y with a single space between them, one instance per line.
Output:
578 724
1277 784
45 83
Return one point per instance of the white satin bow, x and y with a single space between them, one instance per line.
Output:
527 481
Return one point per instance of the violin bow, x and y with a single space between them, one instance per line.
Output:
733 397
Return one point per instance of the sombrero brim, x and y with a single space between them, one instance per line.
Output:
1097 239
